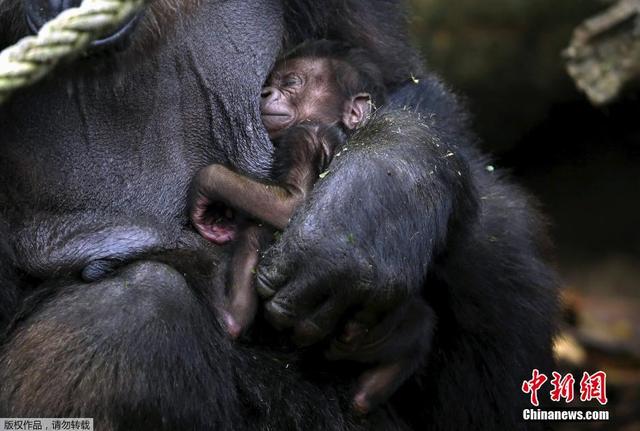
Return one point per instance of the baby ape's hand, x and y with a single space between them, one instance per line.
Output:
396 346
211 218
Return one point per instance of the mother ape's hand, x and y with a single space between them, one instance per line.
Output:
332 276
351 265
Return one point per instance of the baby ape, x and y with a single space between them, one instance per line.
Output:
302 153
314 99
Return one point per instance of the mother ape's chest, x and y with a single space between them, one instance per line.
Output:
126 137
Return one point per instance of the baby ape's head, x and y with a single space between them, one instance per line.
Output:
322 82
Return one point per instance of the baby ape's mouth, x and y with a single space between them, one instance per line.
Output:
275 121
218 224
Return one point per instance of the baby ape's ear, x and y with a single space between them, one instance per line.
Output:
356 110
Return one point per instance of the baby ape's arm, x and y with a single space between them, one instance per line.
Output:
273 204
301 154
270 203
242 300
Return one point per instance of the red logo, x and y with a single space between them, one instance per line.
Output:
592 387
562 387
532 386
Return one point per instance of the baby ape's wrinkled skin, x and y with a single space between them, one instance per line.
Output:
308 116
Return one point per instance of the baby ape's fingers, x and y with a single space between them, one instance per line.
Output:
377 385
405 333
243 303
242 299
197 211
366 330
358 328
399 344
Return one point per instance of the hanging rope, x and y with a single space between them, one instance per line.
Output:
64 37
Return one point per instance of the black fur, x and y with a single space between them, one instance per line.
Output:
491 288
95 163
379 26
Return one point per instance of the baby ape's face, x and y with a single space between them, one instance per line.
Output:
298 90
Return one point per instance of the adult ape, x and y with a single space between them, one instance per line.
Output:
95 165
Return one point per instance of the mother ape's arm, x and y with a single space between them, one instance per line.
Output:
373 225
360 248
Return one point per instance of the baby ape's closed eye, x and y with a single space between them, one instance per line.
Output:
300 90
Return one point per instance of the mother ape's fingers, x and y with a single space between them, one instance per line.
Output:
273 271
320 323
295 301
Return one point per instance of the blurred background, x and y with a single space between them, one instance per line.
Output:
581 162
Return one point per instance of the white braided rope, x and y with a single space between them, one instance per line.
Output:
64 37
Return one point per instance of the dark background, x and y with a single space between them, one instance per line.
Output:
582 163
